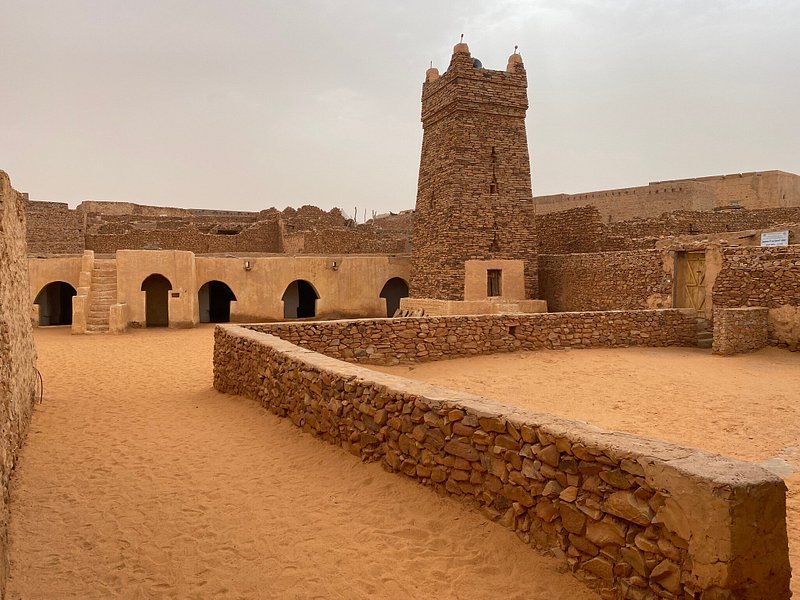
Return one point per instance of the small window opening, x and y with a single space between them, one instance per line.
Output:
494 281
512 330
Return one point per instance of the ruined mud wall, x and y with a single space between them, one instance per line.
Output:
766 277
17 354
604 281
53 228
410 340
641 516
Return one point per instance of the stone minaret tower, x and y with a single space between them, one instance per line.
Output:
474 212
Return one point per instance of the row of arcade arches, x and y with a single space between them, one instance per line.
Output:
214 300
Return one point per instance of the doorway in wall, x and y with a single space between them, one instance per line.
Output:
55 303
300 300
214 300
690 280
394 289
156 288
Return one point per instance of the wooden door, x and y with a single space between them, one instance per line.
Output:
690 280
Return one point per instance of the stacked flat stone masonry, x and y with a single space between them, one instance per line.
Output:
643 518
474 199
739 330
421 339
582 230
605 281
765 277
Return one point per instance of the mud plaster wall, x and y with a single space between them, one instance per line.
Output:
17 354
767 277
647 518
605 281
420 339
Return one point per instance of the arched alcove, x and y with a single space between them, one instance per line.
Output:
214 299
393 290
55 303
156 288
300 300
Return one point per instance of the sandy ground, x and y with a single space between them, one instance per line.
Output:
140 481
744 406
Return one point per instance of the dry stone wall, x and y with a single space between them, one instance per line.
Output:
53 228
421 339
581 230
739 330
645 518
604 281
264 236
765 277
361 240
17 354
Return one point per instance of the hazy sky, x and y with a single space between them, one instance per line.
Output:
245 105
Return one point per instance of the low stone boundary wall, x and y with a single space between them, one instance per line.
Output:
738 330
648 518
419 339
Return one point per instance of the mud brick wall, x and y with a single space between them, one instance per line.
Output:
474 199
421 339
17 354
646 518
604 281
766 277
53 228
739 330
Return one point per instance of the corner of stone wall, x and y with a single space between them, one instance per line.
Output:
647 518
739 330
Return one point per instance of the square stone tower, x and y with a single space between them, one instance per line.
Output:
474 232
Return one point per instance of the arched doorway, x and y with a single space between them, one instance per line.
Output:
55 303
299 300
393 290
214 299
156 288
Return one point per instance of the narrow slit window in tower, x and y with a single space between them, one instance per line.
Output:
494 281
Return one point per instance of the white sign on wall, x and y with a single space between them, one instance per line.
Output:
775 238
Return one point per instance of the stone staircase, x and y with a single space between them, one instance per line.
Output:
102 294
705 333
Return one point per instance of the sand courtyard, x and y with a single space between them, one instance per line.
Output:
138 480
